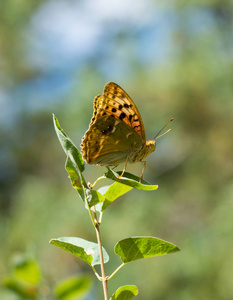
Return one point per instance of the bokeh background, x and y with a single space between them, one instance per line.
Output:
175 59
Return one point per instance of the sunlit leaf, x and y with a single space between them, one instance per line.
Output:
76 177
75 287
74 163
130 180
94 197
125 292
102 191
27 270
114 191
87 251
134 248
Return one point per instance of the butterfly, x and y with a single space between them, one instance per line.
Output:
116 133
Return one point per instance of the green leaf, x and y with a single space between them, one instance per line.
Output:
75 177
74 163
94 197
125 292
27 270
87 251
102 191
134 248
75 287
130 180
21 288
114 191
25 276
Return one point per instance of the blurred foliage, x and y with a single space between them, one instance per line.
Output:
24 282
175 60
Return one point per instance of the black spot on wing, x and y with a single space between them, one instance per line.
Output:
122 116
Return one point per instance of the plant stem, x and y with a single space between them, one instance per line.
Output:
102 177
104 277
122 265
88 206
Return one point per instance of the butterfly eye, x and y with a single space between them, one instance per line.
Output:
156 137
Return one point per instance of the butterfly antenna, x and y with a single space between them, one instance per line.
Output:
156 137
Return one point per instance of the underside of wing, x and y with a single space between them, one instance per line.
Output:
109 141
98 103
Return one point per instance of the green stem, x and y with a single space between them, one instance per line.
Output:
88 206
96 274
104 277
102 177
100 217
122 265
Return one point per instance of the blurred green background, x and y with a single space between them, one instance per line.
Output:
175 59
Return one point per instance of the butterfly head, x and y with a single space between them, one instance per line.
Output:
150 146
146 150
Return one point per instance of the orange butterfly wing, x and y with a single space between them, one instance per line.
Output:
116 102
116 131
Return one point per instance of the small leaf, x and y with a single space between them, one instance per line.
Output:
27 270
21 288
134 248
114 191
94 197
87 251
68 145
125 292
75 287
130 180
75 177
102 191
74 163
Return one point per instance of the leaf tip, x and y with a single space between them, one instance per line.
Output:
176 249
52 241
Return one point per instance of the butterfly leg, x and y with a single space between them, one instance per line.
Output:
123 169
144 165
114 167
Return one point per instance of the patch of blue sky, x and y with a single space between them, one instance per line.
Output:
65 36
43 92
155 45
198 19
75 33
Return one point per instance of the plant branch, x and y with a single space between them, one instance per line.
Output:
104 277
96 274
70 156
100 218
122 265
102 177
